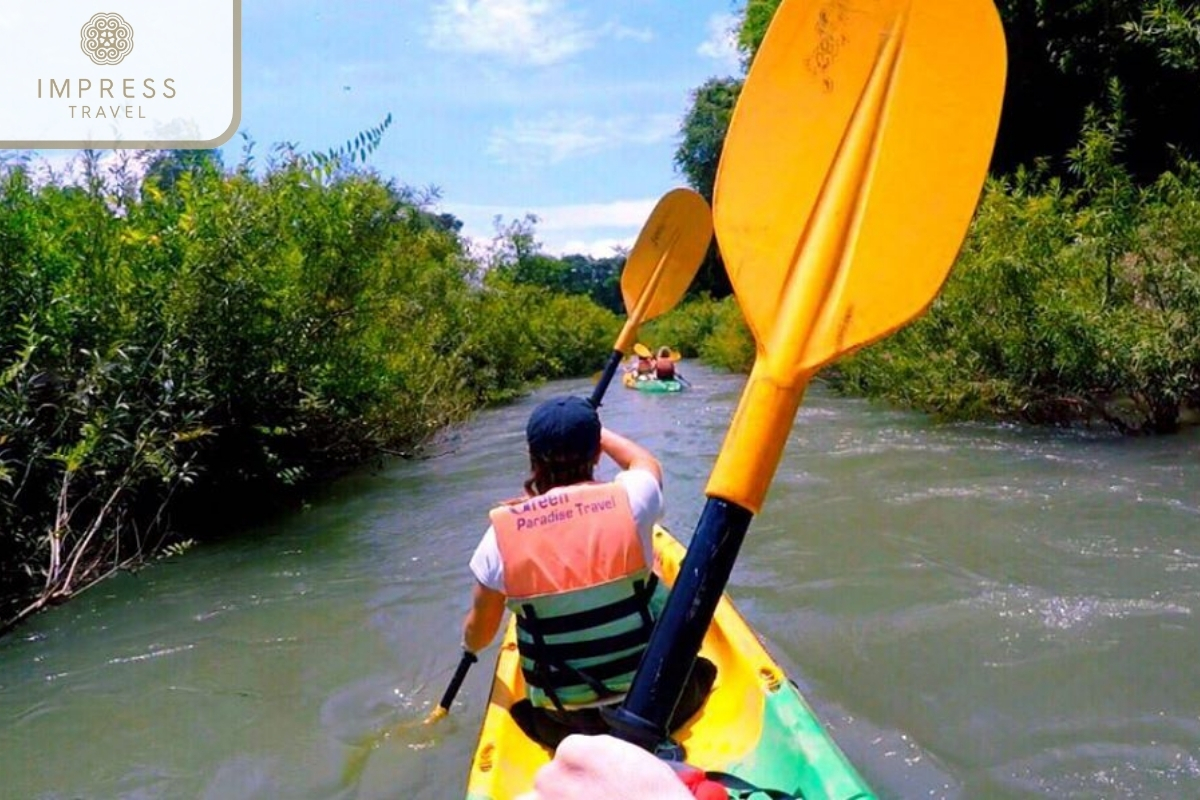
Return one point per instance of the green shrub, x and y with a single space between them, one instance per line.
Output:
684 327
1063 306
172 345
714 330
730 345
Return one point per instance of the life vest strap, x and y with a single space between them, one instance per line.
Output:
596 648
551 668
545 670
636 603
557 676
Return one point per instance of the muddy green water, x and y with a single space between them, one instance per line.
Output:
976 611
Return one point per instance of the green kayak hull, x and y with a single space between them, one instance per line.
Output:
652 385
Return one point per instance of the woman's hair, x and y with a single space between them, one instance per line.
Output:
551 473
664 352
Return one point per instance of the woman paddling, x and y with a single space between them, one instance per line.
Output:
573 559
664 365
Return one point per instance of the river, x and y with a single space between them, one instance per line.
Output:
974 610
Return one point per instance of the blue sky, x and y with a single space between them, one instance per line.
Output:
562 108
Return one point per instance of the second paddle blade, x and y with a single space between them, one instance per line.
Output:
677 236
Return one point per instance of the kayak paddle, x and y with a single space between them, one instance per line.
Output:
852 167
460 674
660 267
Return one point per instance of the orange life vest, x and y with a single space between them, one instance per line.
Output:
576 576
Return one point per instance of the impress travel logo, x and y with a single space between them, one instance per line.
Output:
71 75
106 39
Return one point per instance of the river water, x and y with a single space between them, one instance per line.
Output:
975 611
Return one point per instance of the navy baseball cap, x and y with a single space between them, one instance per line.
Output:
564 427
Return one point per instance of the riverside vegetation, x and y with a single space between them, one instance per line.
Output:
1066 305
1076 297
206 337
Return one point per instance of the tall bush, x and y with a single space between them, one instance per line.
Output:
172 345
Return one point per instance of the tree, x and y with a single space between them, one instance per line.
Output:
598 278
447 223
516 256
1064 56
704 130
754 26
170 165
1174 31
697 157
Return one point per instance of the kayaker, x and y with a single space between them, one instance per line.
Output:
644 367
573 559
664 365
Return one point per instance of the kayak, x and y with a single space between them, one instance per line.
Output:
754 725
654 385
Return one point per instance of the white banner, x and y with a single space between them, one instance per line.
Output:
119 73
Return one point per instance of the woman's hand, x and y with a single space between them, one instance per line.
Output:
605 768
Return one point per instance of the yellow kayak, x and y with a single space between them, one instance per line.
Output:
754 725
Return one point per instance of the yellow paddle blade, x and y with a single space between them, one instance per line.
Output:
664 259
850 172
641 350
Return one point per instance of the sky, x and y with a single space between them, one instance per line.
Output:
566 109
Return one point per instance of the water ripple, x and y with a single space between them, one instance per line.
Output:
159 653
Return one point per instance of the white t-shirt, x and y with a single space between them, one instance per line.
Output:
645 500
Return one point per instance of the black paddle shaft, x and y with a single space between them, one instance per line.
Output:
667 663
464 664
610 369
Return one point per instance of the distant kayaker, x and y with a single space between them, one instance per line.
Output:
664 365
645 367
573 559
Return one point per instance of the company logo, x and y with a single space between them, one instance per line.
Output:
80 78
106 38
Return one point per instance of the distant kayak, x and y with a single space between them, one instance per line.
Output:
755 728
654 385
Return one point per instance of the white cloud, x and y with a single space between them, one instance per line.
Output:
590 228
558 137
721 44
618 31
479 247
617 214
537 32
596 248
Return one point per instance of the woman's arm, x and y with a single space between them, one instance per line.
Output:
628 454
483 620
